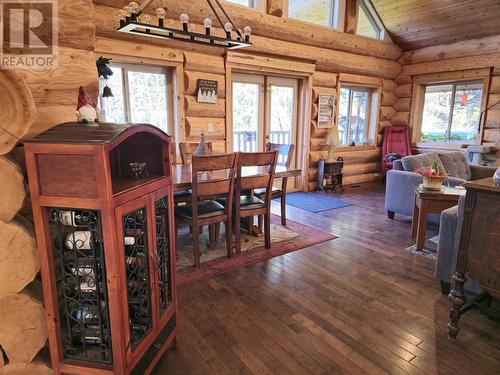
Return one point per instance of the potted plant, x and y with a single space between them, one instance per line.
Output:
433 176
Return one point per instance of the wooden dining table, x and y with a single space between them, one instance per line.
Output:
182 175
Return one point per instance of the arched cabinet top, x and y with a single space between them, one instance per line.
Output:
96 133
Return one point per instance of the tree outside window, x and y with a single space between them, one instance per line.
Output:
354 109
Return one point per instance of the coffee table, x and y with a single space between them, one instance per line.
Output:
430 202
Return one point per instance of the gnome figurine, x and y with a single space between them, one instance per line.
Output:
86 109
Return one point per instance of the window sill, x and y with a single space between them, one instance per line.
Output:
444 146
354 148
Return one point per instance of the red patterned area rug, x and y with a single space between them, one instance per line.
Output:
287 239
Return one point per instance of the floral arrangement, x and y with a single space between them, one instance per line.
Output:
434 170
433 176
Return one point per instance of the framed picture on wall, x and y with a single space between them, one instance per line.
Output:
207 91
326 110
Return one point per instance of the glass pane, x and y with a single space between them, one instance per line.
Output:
163 254
366 26
137 275
314 11
282 105
245 116
344 116
359 116
148 98
248 3
466 113
436 113
113 109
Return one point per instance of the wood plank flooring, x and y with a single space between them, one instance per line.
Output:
359 304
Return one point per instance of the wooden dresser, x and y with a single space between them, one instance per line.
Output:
479 251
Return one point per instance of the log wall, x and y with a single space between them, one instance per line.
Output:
31 102
469 57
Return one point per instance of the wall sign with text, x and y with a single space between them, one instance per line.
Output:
207 91
326 110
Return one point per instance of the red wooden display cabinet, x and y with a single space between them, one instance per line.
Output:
107 246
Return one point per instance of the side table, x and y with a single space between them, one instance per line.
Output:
430 202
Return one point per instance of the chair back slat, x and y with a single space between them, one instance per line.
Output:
285 153
265 163
254 182
213 175
187 151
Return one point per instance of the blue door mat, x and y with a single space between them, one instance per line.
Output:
315 202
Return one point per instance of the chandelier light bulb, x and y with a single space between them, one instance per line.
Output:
207 22
228 27
128 10
184 18
147 18
170 23
134 6
161 13
247 31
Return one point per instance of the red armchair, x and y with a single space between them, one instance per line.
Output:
396 140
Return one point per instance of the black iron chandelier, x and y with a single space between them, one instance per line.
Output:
133 21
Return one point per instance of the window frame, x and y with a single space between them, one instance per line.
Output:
143 68
418 99
336 15
451 111
353 88
260 5
373 19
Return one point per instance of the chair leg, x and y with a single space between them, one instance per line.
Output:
229 238
390 215
196 246
211 235
217 232
250 224
283 210
267 230
237 235
260 222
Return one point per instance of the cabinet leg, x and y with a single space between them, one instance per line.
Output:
457 300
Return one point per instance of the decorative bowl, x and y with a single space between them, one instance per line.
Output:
433 183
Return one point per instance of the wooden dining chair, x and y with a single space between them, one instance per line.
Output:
248 205
212 176
285 158
188 149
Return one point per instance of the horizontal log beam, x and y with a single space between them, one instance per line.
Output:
473 47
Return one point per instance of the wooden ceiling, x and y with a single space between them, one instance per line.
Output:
422 23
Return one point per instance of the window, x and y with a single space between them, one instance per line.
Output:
451 112
354 115
246 3
320 12
141 94
368 23
261 116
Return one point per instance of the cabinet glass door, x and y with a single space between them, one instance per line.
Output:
136 247
163 260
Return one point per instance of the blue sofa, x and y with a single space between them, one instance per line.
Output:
402 178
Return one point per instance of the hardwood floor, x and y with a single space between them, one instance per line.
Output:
359 304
